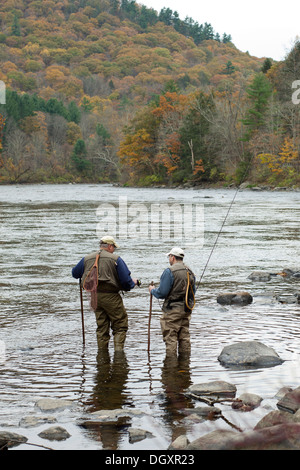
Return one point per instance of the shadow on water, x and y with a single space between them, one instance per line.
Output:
48 229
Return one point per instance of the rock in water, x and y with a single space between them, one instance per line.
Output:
260 276
217 388
235 298
55 433
249 353
290 402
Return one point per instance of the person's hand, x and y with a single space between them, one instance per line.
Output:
151 287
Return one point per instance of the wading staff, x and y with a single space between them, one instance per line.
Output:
82 318
149 321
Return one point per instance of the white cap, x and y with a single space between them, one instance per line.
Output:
107 240
176 251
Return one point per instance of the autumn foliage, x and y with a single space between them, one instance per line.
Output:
110 90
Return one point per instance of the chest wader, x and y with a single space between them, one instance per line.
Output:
177 310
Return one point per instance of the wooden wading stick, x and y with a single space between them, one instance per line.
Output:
149 322
82 318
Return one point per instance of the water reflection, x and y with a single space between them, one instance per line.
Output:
109 393
176 378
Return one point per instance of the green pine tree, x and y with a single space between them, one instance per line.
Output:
259 93
79 155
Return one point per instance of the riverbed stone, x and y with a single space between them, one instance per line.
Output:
113 415
214 440
53 404
217 388
235 298
276 417
136 434
260 276
249 353
247 402
11 439
287 298
55 433
180 443
204 412
290 402
280 437
31 421
282 391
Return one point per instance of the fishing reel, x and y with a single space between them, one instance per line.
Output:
138 282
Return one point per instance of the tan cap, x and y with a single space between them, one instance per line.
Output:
109 241
176 251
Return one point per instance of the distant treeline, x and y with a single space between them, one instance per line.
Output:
145 17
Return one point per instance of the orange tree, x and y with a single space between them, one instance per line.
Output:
152 144
284 163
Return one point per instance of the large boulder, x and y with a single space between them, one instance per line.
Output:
280 437
249 354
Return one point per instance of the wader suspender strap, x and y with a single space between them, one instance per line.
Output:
187 293
87 279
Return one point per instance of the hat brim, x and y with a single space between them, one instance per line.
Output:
173 254
110 243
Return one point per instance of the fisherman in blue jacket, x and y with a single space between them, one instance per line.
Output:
177 287
113 277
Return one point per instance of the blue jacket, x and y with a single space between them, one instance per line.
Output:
165 285
122 270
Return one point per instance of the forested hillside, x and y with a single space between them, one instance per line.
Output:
109 90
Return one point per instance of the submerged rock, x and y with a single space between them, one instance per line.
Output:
52 404
107 415
235 298
260 276
31 421
249 353
205 412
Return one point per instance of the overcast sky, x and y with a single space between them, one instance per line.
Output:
264 28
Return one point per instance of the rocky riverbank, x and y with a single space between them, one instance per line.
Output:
278 429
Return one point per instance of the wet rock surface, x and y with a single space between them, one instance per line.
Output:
235 298
249 353
55 433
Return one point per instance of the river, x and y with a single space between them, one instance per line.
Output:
44 232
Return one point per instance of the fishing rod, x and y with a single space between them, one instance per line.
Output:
224 221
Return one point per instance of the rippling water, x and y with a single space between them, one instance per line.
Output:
44 232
